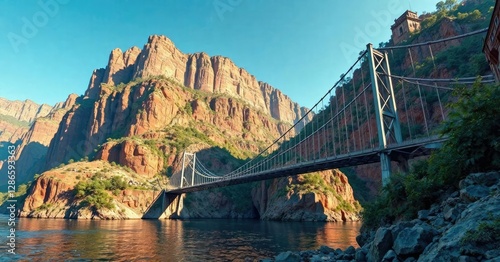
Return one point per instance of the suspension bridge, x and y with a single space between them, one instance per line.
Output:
370 115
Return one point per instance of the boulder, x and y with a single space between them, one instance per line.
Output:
390 256
423 215
360 254
381 244
486 179
474 193
350 250
412 241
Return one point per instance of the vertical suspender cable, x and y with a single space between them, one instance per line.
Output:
439 100
345 119
338 122
332 121
361 142
432 56
406 109
324 129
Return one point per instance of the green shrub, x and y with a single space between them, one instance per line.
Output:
486 233
94 191
44 206
473 129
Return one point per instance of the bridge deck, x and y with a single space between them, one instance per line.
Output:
406 150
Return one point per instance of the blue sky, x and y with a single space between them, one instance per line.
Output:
50 47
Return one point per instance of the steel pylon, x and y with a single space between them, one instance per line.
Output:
388 125
188 158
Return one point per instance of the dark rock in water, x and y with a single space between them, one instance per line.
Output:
350 250
287 256
326 250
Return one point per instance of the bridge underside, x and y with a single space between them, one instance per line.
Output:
400 153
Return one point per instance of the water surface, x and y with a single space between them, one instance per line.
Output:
169 240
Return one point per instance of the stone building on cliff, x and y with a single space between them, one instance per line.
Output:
492 43
406 24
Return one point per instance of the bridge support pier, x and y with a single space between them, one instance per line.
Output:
385 163
386 113
166 205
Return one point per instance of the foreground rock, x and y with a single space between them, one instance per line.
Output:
463 227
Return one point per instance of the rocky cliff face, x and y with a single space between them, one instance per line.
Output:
26 111
217 74
150 110
16 119
17 116
31 153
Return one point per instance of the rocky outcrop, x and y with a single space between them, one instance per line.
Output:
53 195
324 196
139 158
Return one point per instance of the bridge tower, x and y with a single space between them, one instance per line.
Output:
188 160
388 125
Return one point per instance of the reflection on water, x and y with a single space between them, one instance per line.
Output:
170 240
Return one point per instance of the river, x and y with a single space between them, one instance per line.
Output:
168 240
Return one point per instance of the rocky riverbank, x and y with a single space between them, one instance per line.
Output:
463 226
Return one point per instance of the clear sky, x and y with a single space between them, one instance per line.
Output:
49 48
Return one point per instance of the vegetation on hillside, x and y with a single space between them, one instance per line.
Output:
14 121
94 192
464 60
19 195
473 146
314 183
